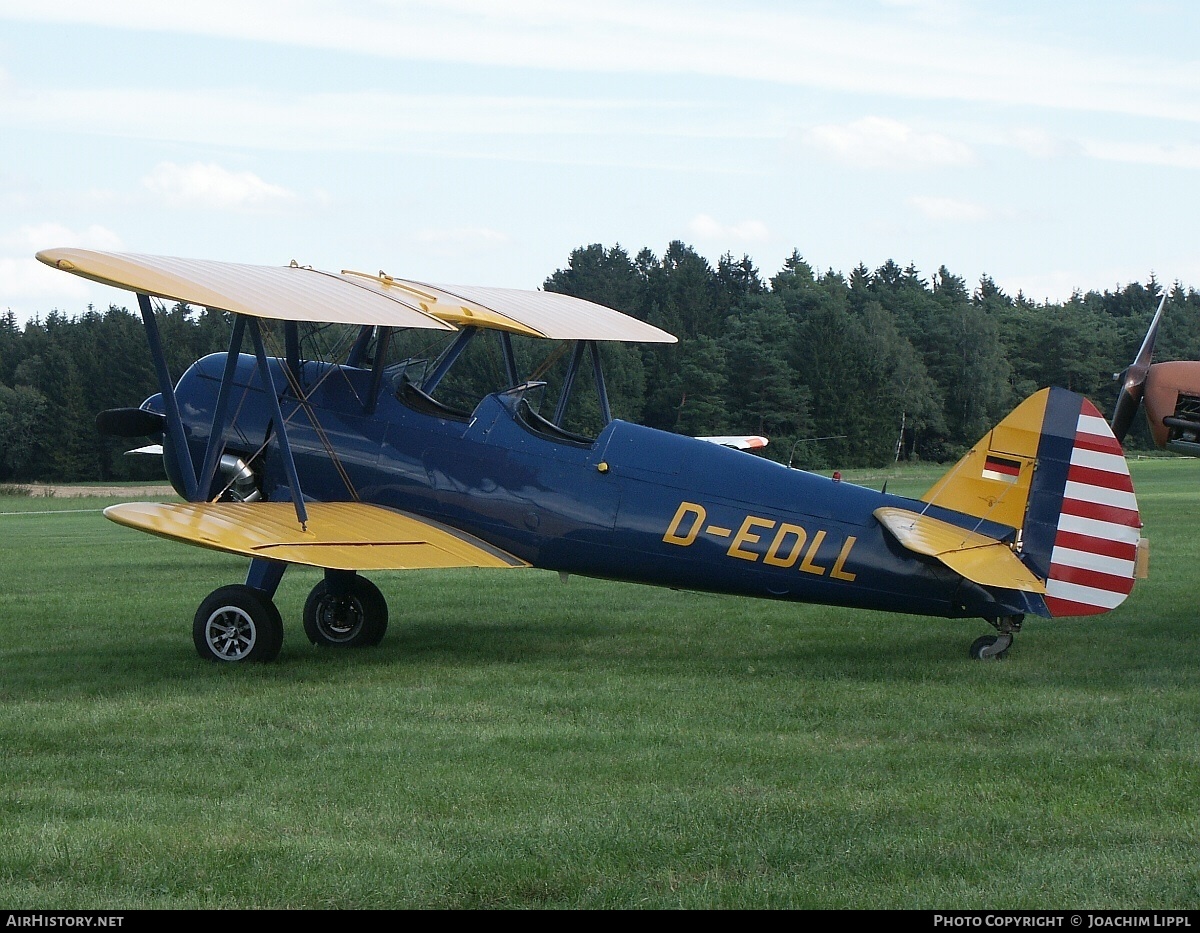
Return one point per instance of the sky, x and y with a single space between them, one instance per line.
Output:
1050 146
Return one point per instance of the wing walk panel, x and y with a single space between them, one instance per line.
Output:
338 535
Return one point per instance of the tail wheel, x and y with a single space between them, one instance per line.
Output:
238 623
351 615
991 647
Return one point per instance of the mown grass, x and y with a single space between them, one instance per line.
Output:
515 742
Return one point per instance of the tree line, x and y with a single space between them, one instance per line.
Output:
839 371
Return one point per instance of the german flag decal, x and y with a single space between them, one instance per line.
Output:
1001 468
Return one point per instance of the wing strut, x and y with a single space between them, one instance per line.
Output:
564 394
217 433
510 358
601 389
448 359
167 388
285 447
382 339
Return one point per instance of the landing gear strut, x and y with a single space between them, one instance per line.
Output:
345 611
989 647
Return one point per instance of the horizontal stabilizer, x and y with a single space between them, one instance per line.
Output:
976 557
338 535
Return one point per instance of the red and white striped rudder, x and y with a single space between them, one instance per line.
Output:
1094 559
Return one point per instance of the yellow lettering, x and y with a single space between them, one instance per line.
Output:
685 508
807 564
839 565
746 536
787 560
718 531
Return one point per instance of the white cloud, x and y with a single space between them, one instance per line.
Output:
880 142
454 240
23 278
25 283
1054 286
1181 155
460 235
1038 143
949 209
31 238
208 185
704 227
975 53
350 120
938 13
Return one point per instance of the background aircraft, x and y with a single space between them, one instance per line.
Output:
363 463
1170 391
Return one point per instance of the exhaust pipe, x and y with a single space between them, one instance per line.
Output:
243 487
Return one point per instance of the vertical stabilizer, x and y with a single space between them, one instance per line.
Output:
1054 470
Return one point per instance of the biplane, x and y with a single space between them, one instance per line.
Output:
1169 393
362 464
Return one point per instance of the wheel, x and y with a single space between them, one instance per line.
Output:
238 623
985 647
359 618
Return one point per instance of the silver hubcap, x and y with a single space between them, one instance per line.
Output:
230 633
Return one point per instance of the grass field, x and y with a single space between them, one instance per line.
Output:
515 742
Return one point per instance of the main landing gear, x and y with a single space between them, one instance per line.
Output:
995 647
240 622
344 611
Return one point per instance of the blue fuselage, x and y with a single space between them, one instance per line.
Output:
634 504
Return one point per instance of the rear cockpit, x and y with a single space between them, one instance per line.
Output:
559 387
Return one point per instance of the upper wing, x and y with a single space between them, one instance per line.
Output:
300 293
338 535
286 293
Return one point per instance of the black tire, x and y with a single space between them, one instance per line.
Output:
358 620
238 623
980 646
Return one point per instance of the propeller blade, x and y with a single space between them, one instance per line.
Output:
129 422
1134 378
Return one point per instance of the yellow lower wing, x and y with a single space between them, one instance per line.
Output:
338 535
977 557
